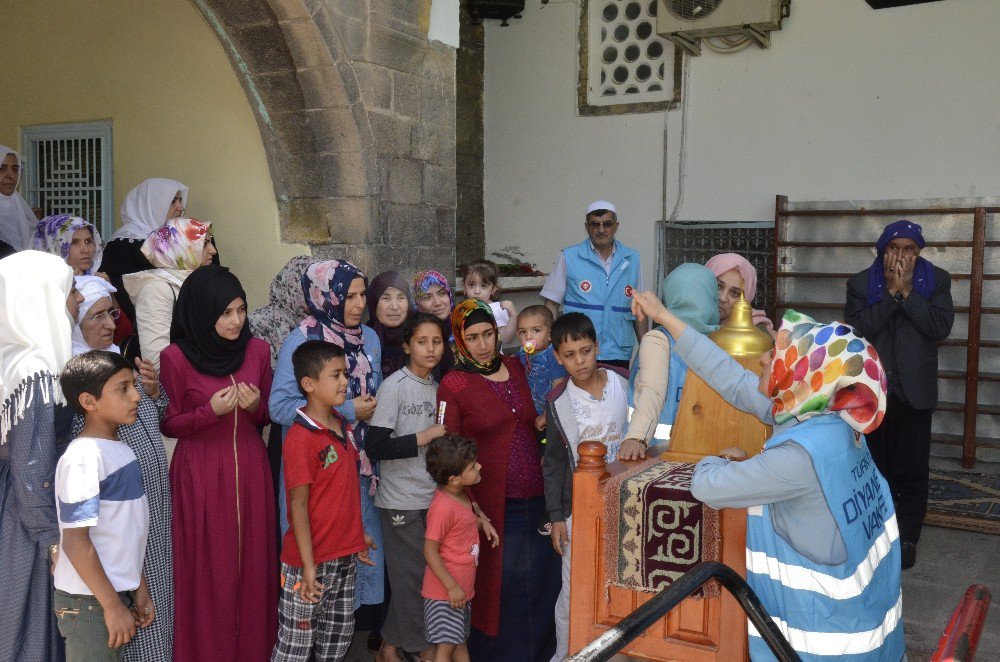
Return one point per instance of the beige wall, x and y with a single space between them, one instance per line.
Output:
161 76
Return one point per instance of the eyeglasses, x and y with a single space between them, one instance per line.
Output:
597 225
109 314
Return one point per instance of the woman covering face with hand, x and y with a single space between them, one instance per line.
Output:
95 329
218 379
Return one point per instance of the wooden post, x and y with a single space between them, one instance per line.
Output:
780 205
972 352
592 455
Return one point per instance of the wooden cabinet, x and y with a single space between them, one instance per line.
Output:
699 629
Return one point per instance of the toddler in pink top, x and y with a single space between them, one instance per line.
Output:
451 546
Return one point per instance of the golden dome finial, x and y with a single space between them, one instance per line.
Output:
739 336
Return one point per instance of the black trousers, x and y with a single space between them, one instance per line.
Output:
901 448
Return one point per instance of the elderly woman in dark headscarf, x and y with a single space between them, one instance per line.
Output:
389 305
218 379
335 293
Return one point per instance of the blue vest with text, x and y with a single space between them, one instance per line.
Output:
605 299
676 375
851 611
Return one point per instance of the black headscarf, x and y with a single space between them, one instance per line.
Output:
204 296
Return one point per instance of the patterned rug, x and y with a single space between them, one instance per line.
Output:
962 500
656 531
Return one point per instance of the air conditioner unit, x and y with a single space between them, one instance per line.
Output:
685 22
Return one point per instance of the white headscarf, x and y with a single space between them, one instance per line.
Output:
17 220
93 289
35 328
145 207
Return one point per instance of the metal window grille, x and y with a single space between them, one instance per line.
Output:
67 169
697 241
628 62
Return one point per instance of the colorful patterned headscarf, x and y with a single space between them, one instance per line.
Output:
465 314
54 234
423 281
821 368
286 306
177 245
325 285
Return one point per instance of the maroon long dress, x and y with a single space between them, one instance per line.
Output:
225 560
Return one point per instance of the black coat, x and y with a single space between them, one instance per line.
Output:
907 330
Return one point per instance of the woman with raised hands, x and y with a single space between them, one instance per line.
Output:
218 379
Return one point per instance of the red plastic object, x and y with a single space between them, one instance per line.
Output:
959 640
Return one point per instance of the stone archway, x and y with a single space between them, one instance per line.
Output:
356 110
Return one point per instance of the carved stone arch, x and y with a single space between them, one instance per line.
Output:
356 110
305 97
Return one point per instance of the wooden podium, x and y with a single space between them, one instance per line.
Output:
699 629
705 629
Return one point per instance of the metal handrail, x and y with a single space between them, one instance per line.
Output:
630 627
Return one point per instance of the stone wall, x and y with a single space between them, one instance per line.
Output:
356 110
469 142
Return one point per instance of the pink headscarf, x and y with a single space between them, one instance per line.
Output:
724 262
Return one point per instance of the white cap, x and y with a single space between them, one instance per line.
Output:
601 205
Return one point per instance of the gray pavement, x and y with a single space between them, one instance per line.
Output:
948 561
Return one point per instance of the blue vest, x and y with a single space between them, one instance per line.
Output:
851 611
676 374
605 299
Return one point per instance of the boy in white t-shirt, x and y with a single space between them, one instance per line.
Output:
101 594
591 406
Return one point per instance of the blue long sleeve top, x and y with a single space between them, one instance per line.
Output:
286 397
783 477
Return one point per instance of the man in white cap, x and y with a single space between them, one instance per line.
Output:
597 277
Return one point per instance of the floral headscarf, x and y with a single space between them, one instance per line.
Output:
465 314
423 281
286 306
54 234
177 245
325 285
822 368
